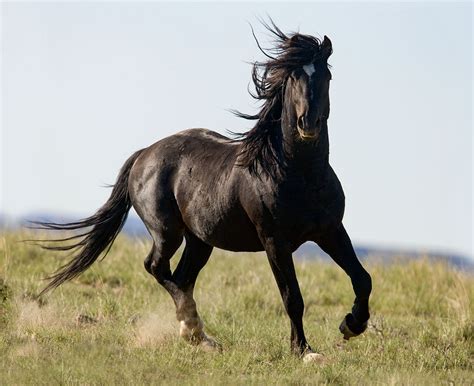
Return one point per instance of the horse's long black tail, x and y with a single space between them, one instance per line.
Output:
104 226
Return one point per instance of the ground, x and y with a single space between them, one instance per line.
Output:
115 325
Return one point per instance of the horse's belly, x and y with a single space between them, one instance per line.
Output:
232 231
247 241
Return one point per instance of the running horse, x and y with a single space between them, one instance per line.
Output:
271 188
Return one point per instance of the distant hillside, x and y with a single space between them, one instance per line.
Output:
364 252
134 227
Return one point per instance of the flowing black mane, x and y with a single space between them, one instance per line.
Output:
262 144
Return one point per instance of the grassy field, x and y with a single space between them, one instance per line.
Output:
115 325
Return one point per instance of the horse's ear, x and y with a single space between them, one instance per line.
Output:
294 39
326 47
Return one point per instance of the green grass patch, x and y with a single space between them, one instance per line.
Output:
115 325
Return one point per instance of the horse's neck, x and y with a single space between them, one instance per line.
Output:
306 158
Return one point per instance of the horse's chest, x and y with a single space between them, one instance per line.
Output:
308 209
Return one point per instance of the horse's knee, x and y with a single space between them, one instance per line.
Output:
294 306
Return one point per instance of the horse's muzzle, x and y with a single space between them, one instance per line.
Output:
308 132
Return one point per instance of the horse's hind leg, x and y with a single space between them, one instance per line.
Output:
195 255
158 261
180 284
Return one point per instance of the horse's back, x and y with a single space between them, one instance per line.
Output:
190 146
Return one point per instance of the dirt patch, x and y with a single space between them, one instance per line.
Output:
155 328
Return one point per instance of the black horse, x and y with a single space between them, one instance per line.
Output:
271 189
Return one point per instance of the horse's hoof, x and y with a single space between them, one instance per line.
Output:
313 357
351 328
209 344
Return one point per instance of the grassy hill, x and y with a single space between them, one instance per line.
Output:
115 325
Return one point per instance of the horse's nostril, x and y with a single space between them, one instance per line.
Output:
301 122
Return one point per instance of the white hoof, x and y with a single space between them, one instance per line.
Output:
313 357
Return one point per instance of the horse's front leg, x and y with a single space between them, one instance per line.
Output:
281 262
337 244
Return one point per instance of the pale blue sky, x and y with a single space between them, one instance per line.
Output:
86 84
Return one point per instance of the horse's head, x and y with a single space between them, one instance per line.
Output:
307 94
293 84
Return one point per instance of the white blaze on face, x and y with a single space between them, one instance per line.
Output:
309 69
